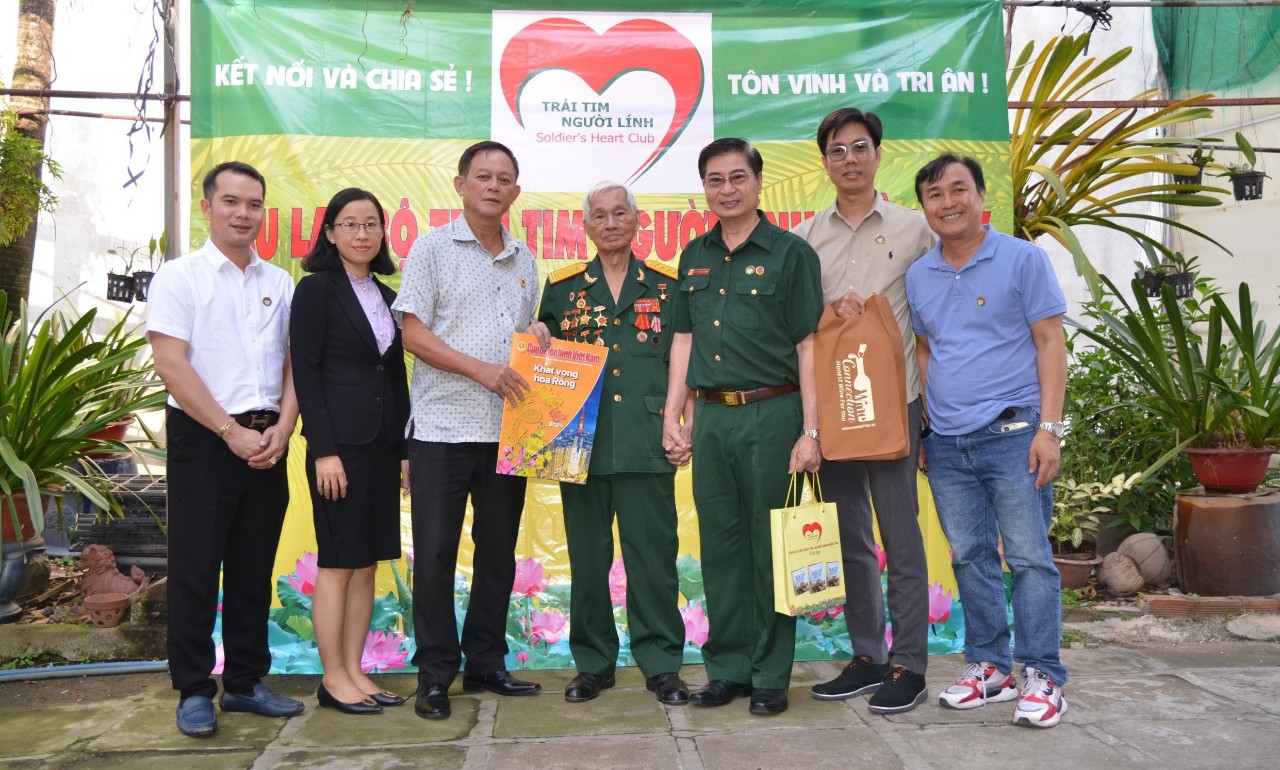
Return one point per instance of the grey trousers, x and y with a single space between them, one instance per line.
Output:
891 486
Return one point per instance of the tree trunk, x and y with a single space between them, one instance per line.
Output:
32 69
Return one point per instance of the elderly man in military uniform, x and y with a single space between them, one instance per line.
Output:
624 305
749 302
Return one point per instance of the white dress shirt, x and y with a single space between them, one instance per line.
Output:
235 322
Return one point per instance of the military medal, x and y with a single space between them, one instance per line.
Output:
642 322
751 269
646 305
759 270
643 337
600 318
662 287
656 325
580 304
564 325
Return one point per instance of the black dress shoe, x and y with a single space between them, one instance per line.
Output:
669 688
719 692
387 698
365 706
768 702
432 701
585 687
500 681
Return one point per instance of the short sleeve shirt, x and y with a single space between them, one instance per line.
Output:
982 357
872 257
747 308
474 302
235 323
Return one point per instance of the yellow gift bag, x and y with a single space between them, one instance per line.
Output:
806 553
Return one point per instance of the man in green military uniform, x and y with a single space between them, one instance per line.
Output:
749 302
624 305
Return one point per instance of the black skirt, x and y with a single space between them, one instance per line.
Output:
362 528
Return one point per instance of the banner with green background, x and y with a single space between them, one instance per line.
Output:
325 95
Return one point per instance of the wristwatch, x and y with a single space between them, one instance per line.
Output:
1058 429
811 433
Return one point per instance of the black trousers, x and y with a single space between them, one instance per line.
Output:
443 476
223 515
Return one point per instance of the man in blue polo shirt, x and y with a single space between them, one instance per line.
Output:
987 313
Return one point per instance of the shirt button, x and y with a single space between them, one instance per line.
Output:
722 291
616 346
717 356
617 397
716 322
727 257
957 276
617 321
753 291
617 372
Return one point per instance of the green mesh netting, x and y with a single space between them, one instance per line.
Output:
1214 49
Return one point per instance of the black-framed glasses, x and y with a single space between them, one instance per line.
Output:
859 150
355 227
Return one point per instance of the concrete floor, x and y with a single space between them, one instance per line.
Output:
1213 705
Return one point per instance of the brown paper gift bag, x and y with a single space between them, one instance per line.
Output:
862 391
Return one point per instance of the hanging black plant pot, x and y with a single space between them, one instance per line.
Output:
1248 186
1151 282
119 287
141 282
1183 284
1190 179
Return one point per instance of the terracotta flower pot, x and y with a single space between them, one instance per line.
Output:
1230 471
25 522
1075 569
106 610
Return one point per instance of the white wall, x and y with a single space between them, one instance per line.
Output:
95 212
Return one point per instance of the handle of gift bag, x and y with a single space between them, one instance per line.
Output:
794 493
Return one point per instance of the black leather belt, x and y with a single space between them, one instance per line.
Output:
260 420
740 397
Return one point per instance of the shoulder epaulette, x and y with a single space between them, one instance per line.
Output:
659 266
568 272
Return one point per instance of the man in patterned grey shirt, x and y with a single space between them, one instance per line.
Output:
467 288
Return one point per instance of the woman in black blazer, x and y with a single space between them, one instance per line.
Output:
349 375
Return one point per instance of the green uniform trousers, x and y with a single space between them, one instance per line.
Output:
741 454
646 508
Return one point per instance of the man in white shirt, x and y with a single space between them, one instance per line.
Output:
468 287
218 322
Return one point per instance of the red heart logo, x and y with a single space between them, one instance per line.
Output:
600 59
812 531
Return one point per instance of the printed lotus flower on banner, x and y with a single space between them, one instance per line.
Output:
696 626
383 651
303 578
219 658
882 558
529 580
545 626
939 604
618 584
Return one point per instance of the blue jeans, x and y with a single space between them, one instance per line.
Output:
982 490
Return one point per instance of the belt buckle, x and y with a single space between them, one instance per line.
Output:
731 397
259 421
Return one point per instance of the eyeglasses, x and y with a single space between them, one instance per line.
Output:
715 181
355 227
859 150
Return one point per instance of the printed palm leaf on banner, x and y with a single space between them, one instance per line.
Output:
1070 168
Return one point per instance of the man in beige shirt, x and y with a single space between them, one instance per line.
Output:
865 245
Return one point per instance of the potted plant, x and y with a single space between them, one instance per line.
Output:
1200 158
1166 268
1076 506
59 385
133 284
1246 179
1218 397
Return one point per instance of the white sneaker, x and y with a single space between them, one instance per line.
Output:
1042 703
982 683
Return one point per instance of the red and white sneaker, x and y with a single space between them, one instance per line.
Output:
982 683
1041 704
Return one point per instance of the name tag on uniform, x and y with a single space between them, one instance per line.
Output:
699 271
